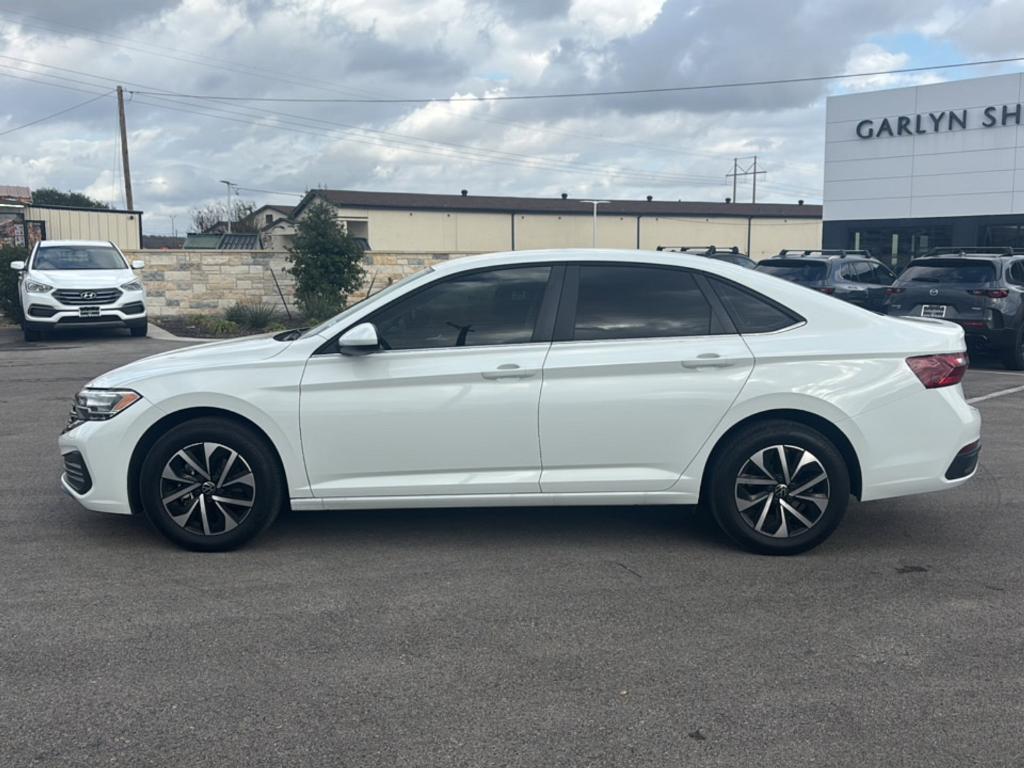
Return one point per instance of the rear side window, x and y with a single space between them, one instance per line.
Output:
877 273
628 302
964 271
1017 272
795 270
751 312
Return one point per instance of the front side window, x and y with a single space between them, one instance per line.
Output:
795 270
498 306
58 257
629 302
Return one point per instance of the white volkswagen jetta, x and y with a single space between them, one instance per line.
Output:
75 283
539 378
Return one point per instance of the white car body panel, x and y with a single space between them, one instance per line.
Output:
599 423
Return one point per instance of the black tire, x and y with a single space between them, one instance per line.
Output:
1013 358
202 522
781 532
31 334
139 330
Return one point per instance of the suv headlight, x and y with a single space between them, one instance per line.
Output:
133 285
100 405
33 286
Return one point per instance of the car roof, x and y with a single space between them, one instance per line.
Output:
503 258
91 243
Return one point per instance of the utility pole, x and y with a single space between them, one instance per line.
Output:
124 151
750 169
595 203
228 214
174 229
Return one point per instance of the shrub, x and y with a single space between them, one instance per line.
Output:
10 304
211 325
252 315
325 261
317 307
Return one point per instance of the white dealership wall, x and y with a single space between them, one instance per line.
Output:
971 171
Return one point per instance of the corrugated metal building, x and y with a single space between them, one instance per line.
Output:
122 228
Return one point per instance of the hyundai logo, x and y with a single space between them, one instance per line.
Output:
933 292
88 294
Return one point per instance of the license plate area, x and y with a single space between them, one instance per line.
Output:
88 311
933 310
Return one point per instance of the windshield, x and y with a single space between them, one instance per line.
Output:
949 271
352 308
57 257
796 271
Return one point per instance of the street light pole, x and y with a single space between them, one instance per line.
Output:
595 203
228 184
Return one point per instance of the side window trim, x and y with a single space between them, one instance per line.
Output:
721 322
545 315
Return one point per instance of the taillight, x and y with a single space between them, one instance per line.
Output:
939 370
829 290
995 293
894 291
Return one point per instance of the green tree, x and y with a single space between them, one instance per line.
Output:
326 261
51 196
10 304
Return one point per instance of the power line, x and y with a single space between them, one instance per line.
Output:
55 114
588 94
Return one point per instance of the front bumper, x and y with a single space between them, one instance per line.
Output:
104 451
45 310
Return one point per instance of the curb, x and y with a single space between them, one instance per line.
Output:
158 333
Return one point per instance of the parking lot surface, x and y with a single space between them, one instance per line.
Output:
539 637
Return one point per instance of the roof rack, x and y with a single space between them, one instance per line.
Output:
970 250
840 252
707 249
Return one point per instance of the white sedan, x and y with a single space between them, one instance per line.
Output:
539 378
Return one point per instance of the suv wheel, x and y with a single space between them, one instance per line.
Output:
1013 358
211 485
31 334
780 488
139 330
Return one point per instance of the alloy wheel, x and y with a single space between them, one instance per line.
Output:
207 488
782 491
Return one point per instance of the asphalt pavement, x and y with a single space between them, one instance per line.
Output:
510 637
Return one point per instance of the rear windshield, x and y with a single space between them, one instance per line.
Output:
56 257
949 271
796 270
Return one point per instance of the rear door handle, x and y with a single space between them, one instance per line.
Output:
508 371
709 360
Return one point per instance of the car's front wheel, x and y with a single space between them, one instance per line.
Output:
779 488
211 484
139 330
30 333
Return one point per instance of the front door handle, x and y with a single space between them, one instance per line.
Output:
709 360
508 371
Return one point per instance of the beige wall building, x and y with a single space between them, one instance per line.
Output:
405 222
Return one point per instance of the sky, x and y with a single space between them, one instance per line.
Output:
58 54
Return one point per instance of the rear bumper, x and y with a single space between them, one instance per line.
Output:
965 463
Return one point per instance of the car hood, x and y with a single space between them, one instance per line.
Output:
83 278
217 354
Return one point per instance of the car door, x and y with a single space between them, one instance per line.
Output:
449 403
644 364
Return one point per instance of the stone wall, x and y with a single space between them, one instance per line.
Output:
208 282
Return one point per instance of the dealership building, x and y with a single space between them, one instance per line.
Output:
914 168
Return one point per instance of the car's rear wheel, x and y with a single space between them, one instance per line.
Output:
1013 358
779 488
211 484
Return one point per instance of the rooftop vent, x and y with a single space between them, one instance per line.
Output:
728 199
565 195
465 192
649 198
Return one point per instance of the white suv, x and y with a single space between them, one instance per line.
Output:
76 283
539 378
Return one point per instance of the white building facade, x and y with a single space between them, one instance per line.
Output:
909 169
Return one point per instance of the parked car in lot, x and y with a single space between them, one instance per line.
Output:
731 254
75 283
981 289
539 378
852 276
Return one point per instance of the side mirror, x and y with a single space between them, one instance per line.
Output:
360 340
138 264
18 265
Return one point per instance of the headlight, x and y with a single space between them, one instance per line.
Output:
35 287
134 285
100 405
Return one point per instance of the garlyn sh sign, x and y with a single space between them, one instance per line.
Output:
937 122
